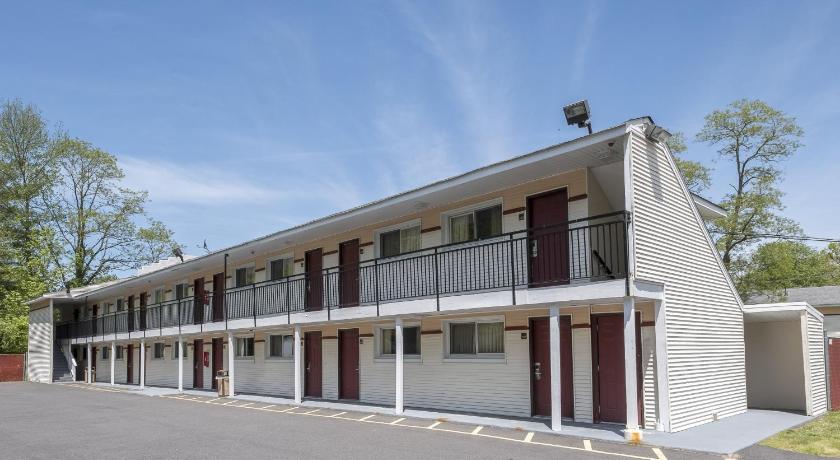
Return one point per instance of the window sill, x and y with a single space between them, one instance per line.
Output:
475 359
244 358
278 358
391 359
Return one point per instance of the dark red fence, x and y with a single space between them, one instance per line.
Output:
11 368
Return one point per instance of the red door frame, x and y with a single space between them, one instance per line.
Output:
198 363
312 355
314 263
596 414
218 352
348 273
348 364
567 406
551 265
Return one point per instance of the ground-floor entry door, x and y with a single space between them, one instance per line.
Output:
129 364
348 364
834 371
198 363
609 389
541 367
218 359
312 364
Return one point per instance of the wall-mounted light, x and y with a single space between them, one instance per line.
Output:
657 133
578 114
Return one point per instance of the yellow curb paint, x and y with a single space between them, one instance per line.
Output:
587 444
529 437
477 430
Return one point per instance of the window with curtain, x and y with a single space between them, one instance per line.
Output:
281 346
119 354
388 341
281 268
181 291
475 225
106 352
159 295
476 338
119 304
399 241
158 351
244 276
175 350
244 347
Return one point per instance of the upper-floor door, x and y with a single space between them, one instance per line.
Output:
219 297
348 273
198 300
548 238
314 261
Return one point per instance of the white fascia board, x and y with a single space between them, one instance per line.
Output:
781 307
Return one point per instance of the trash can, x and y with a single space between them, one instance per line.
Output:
222 382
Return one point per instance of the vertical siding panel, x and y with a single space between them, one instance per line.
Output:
816 357
329 368
649 376
40 345
705 330
582 350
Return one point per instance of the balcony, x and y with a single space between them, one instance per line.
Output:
578 251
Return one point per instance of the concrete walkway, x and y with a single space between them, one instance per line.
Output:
725 436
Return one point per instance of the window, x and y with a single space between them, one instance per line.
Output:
159 292
119 304
181 291
475 225
175 350
281 268
244 276
399 241
244 347
388 341
159 349
106 352
281 346
476 338
119 352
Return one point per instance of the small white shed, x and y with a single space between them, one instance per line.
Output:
785 354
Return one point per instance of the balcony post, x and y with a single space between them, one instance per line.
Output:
631 431
113 352
437 281
398 364
298 363
554 358
180 347
142 364
376 283
512 272
90 358
231 362
254 302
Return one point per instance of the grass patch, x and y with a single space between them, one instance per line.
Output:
820 437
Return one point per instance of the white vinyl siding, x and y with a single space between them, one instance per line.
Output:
164 372
39 361
258 375
649 376
582 373
816 360
329 368
705 331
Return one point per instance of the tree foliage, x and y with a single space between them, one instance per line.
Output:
780 265
696 175
755 138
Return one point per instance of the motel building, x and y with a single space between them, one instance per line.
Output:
574 283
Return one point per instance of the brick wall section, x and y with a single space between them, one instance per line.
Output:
11 368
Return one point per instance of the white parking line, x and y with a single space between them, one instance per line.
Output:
587 444
658 453
245 405
529 436
310 412
433 425
212 400
397 421
477 430
366 417
336 415
265 407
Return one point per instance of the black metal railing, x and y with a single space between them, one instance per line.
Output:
583 250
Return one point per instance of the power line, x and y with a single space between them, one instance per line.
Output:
779 236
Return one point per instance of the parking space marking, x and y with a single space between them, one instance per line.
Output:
475 432
265 407
212 400
245 405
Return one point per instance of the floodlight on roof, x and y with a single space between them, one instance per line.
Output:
578 114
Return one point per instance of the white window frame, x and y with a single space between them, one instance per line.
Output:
163 353
478 357
187 288
236 348
119 301
378 337
401 226
106 352
447 215
288 255
175 350
268 337
252 266
162 290
119 352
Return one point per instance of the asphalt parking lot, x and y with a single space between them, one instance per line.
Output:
81 421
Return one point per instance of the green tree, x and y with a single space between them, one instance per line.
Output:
696 175
779 265
97 222
755 138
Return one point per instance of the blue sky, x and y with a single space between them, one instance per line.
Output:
243 118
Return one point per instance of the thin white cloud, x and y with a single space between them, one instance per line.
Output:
588 28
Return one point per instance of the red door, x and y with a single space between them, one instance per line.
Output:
834 371
348 364
92 358
144 298
131 313
129 364
312 363
198 301
94 317
314 281
198 363
541 367
218 359
348 273
609 393
218 297
548 238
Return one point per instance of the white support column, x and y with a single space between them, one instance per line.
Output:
90 358
142 364
231 362
632 431
180 347
663 401
113 353
298 369
398 364
554 344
